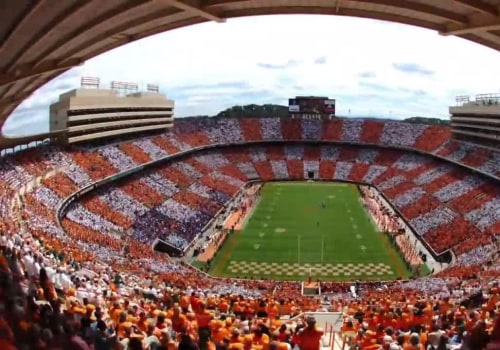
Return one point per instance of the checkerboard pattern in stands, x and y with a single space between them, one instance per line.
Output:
285 269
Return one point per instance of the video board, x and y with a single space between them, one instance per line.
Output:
311 107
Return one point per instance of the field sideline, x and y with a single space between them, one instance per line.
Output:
301 229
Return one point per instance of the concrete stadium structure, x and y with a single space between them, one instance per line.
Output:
94 114
446 188
477 120
39 41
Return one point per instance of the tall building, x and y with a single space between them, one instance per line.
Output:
91 113
477 119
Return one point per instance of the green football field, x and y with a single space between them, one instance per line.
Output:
302 229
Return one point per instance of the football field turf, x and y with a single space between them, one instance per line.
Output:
302 229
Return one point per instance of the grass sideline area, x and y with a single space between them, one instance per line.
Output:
302 229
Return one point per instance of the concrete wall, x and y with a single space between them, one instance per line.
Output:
98 98
472 118
112 133
472 108
108 101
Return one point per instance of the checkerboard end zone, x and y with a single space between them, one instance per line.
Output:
285 269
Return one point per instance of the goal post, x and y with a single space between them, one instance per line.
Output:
298 250
322 249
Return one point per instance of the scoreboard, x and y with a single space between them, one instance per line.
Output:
311 107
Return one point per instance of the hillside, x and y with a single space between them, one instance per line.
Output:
271 110
423 120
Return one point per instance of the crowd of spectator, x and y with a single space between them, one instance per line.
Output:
132 200
84 305
99 263
190 192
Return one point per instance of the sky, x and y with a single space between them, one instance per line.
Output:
372 68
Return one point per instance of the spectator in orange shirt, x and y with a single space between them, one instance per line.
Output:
414 343
203 318
310 336
236 337
260 337
478 338
179 321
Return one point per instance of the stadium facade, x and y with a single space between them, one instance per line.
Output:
477 119
91 113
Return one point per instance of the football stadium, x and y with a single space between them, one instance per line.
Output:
289 227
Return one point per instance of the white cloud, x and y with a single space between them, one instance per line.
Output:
209 67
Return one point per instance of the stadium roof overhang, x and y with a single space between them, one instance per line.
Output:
40 40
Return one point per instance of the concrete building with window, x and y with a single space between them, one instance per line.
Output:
477 119
89 114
